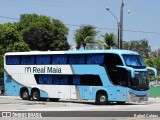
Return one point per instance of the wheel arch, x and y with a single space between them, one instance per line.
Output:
21 91
100 92
33 89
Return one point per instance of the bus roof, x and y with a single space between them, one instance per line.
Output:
116 51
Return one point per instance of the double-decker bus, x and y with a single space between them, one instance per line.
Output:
101 75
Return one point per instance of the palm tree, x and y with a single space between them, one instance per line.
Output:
109 40
86 34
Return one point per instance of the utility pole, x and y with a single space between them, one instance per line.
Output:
121 26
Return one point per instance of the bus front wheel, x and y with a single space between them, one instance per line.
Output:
35 95
102 99
25 95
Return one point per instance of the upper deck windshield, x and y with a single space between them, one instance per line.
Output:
134 61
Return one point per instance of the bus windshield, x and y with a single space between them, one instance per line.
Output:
134 61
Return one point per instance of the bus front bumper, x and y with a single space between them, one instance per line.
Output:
136 98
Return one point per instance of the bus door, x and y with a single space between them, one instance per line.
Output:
122 83
88 92
84 92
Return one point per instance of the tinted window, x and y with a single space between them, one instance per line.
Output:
93 80
60 80
76 80
59 59
45 79
43 59
83 80
27 59
113 59
76 59
95 59
12 60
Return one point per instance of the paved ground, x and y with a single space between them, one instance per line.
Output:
8 103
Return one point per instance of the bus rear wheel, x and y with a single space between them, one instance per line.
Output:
102 99
25 95
35 95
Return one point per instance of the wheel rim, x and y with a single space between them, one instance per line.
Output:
35 95
25 94
102 99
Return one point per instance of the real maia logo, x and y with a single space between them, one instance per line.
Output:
43 70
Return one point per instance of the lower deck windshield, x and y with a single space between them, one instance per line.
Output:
140 82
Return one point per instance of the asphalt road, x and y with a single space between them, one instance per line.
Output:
15 104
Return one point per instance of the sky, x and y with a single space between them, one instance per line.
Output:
141 22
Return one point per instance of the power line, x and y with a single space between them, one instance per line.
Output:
101 28
8 17
138 31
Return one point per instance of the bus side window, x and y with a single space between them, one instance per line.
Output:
43 59
91 80
95 59
28 59
76 80
59 59
45 79
13 60
113 59
76 59
96 80
60 80
55 80
64 80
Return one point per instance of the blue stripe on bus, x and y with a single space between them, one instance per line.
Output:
88 69
13 88
116 51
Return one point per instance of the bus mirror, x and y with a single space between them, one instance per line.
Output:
154 70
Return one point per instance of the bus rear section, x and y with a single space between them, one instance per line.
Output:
103 76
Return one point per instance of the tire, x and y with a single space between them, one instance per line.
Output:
102 99
54 99
35 95
25 94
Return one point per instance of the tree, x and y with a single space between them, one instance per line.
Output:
10 39
85 34
43 33
108 40
156 62
125 45
141 46
149 62
1 66
155 53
